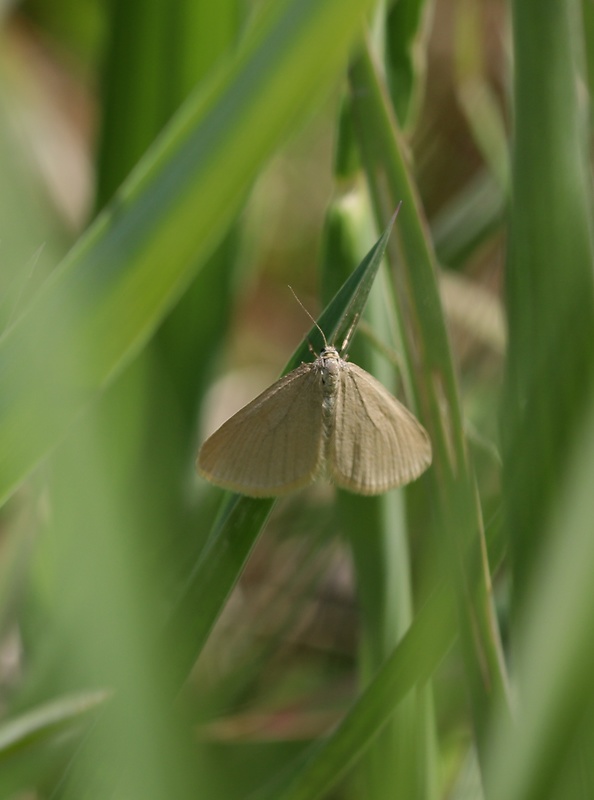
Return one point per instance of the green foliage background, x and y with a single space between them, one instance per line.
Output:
155 640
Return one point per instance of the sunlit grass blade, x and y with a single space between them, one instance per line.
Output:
46 721
467 220
433 379
242 518
549 278
476 98
17 550
411 664
406 29
220 565
376 530
345 310
30 742
546 752
147 76
139 256
549 427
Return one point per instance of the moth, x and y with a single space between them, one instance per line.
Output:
327 418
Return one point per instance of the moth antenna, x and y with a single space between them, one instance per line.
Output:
311 318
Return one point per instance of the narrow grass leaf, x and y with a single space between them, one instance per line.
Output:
434 382
411 664
140 254
241 518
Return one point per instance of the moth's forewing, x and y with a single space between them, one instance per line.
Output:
273 445
376 443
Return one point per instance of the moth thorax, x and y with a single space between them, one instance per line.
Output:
329 376
329 370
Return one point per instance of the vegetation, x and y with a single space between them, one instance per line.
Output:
160 638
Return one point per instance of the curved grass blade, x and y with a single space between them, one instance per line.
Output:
107 297
342 314
546 752
548 277
411 664
46 720
434 382
242 518
376 529
233 535
31 742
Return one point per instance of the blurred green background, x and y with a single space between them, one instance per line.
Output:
166 170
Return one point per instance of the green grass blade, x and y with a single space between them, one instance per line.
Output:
411 664
434 382
547 411
139 256
546 753
133 50
31 743
347 306
242 518
175 50
149 72
549 280
45 721
231 541
399 762
467 220
405 56
209 585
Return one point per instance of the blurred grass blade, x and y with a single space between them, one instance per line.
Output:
549 278
430 364
550 299
242 518
148 72
352 296
134 88
139 256
220 565
477 100
29 729
540 754
232 538
16 548
33 743
411 664
406 28
467 220
376 530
